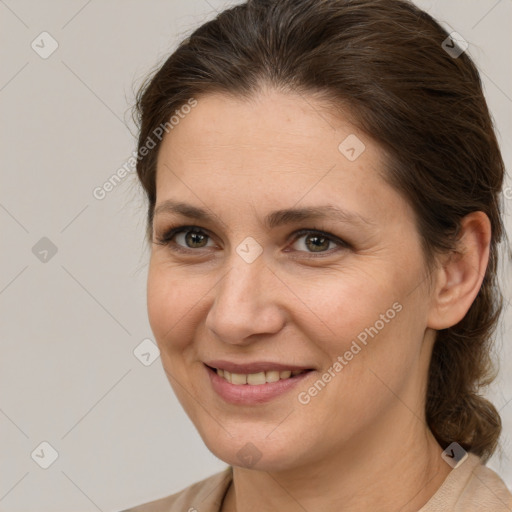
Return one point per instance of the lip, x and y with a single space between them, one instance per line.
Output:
254 367
247 394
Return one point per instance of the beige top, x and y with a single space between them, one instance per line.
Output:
471 487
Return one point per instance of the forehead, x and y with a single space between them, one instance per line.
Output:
277 148
269 120
272 133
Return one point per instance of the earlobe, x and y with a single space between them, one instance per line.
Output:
460 273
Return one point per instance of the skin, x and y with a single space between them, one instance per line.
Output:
362 442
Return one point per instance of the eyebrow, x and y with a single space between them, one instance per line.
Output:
273 219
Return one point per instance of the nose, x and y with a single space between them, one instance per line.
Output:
246 303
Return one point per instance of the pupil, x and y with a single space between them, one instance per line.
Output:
316 237
195 237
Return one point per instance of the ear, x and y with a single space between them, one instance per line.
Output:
460 274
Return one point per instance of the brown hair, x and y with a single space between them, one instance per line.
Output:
384 61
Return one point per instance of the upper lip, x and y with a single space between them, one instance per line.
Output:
254 367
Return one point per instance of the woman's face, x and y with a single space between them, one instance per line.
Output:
248 289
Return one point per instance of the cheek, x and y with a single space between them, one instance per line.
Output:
372 321
351 302
169 303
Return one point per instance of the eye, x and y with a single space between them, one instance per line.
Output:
316 241
192 237
188 238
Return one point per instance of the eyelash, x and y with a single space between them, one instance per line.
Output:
166 239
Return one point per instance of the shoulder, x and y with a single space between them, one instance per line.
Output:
486 491
205 495
471 487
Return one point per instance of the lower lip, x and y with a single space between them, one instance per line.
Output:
252 394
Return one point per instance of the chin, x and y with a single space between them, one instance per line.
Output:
256 450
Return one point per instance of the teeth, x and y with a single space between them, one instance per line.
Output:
272 376
238 378
255 379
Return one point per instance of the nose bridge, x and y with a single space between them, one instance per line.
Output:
242 304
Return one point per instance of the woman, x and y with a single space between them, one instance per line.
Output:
323 185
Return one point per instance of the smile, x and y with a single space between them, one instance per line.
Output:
256 379
259 386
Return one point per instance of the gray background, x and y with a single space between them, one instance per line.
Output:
71 323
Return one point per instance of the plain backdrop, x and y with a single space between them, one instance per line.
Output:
73 267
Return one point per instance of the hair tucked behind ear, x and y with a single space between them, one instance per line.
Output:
383 61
